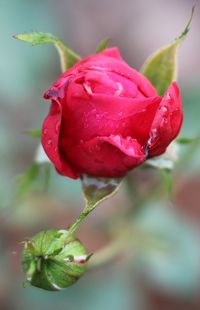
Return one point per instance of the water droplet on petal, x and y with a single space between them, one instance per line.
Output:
164 111
57 127
119 89
169 98
49 142
88 89
45 131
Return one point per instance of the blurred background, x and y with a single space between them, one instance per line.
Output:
144 278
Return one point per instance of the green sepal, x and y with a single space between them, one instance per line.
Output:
67 56
103 45
160 67
56 262
96 190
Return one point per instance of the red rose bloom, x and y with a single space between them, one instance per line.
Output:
106 118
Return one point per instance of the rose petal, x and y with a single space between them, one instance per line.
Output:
107 156
102 115
112 52
102 62
167 122
50 140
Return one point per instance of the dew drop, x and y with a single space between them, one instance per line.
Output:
57 127
45 131
164 111
120 114
169 98
49 142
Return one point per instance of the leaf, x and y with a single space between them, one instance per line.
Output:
103 45
160 67
35 133
185 140
167 178
67 56
27 180
98 189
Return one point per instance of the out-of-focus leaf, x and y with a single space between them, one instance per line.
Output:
167 178
184 140
103 45
67 56
160 67
27 180
168 251
97 189
35 133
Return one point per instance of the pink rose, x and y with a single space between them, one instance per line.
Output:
106 118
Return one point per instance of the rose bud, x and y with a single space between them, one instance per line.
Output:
51 262
106 118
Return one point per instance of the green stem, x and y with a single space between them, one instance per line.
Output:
75 226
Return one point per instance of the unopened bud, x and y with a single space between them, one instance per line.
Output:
52 262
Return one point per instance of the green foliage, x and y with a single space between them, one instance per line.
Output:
184 140
103 45
37 176
160 67
35 133
27 180
67 56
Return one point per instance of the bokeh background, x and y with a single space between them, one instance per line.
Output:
146 280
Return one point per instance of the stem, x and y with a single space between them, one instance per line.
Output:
74 227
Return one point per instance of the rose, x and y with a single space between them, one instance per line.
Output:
106 118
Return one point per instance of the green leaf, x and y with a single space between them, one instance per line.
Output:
35 133
167 178
37 176
185 140
98 189
103 45
160 67
27 180
67 56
